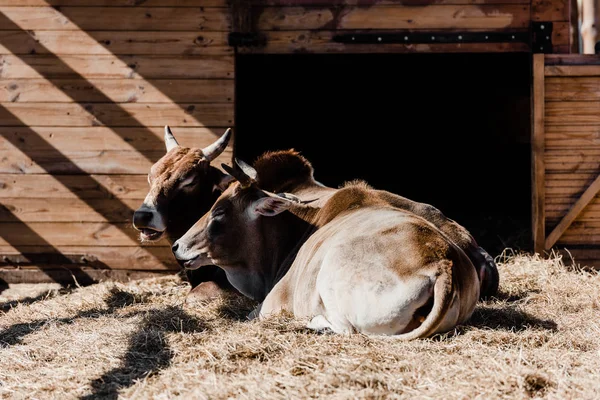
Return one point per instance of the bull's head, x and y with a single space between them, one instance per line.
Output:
184 179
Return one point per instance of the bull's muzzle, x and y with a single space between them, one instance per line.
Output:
149 223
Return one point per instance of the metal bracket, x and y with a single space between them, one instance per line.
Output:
245 39
431 37
541 41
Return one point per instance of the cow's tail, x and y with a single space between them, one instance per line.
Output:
443 294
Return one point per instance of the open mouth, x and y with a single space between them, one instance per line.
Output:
150 235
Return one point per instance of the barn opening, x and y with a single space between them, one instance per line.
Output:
451 130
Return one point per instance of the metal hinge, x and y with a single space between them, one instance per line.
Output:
541 40
245 39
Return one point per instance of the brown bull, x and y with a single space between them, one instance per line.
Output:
183 186
355 263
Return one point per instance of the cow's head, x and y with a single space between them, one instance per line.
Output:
183 186
232 236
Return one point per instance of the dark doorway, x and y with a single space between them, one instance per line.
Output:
451 130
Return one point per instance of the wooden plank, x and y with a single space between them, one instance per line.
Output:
585 258
85 276
370 3
573 88
394 17
67 210
572 136
90 162
69 234
90 19
114 42
117 90
112 67
560 36
549 10
537 155
117 3
572 59
285 42
99 138
108 114
572 112
579 205
572 70
122 257
43 186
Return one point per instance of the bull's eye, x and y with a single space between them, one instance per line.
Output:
187 181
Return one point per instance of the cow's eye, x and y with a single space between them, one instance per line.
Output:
187 181
218 213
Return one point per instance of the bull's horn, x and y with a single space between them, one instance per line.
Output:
242 172
214 150
170 141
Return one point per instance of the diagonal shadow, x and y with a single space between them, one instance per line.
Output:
115 300
148 351
136 138
48 294
78 275
3 285
509 319
52 156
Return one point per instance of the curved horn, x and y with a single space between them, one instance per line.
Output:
170 141
242 172
213 151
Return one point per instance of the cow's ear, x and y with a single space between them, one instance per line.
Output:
271 205
222 181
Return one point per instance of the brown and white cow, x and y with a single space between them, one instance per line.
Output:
183 186
278 171
355 264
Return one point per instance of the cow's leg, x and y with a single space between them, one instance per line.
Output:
208 282
320 324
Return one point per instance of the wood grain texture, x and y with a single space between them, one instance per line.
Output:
538 163
117 3
123 115
571 161
284 42
114 42
550 10
588 195
70 234
132 257
395 17
572 136
572 113
78 162
572 70
43 186
113 67
116 90
67 210
100 138
573 88
140 18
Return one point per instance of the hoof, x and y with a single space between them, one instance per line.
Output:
204 291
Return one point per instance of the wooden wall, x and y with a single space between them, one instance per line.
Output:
310 25
86 87
567 154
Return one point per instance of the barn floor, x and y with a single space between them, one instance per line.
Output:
140 340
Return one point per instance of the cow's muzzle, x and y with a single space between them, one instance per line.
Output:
149 223
190 259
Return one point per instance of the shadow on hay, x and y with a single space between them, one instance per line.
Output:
48 294
509 319
15 333
148 351
3 285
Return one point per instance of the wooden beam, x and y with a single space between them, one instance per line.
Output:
579 205
537 159
83 276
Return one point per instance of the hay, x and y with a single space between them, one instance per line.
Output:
140 340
